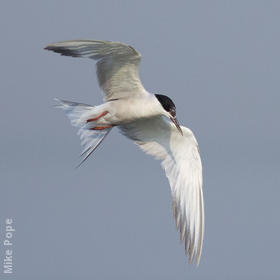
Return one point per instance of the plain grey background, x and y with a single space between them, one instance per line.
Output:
112 218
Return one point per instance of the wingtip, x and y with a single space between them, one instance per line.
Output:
62 50
197 260
50 47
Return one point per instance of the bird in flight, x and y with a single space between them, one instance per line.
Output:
147 119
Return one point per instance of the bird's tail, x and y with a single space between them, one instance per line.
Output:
79 114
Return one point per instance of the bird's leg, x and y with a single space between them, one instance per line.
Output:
101 127
98 117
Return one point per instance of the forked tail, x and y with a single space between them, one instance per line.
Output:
79 115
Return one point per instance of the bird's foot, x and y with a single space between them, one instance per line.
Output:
98 117
101 127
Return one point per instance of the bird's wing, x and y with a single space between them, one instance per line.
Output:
180 159
117 65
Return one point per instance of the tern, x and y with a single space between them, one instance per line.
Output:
147 119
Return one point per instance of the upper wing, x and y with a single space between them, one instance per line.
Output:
180 159
117 66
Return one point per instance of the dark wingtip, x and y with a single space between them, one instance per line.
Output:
50 48
62 51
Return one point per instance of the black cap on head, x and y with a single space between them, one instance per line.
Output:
167 104
170 107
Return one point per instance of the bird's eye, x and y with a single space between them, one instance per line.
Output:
173 112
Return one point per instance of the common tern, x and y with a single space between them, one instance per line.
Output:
144 118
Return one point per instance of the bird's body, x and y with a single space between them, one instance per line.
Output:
125 110
144 118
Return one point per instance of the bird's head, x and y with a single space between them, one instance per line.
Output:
169 109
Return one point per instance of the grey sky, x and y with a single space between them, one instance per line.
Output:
112 218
